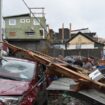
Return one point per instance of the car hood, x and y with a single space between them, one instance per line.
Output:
10 87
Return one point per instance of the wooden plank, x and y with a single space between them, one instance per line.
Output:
58 68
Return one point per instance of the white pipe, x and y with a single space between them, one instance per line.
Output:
0 20
0 27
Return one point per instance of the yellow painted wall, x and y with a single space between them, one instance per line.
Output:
80 39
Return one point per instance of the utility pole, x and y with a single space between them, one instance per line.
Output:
62 33
63 43
70 31
0 27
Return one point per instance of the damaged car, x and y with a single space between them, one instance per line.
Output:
22 82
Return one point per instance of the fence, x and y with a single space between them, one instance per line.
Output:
97 53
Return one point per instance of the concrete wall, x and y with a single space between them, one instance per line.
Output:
97 53
38 45
24 24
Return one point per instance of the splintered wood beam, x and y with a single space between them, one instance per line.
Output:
58 68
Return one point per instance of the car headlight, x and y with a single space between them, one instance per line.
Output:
8 100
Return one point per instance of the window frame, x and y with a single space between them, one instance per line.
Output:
27 20
22 20
12 21
30 33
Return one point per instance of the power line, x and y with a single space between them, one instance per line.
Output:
35 16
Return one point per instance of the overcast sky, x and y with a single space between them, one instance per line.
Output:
80 13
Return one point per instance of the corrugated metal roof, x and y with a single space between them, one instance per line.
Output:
64 84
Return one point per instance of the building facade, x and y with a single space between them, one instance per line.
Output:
26 31
24 27
83 41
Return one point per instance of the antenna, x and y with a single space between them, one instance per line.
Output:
70 30
62 32
30 9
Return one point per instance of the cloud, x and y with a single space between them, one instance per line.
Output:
81 13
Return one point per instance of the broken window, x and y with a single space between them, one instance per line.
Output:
41 32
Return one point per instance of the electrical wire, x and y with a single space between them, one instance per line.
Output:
35 17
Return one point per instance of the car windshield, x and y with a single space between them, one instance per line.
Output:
17 69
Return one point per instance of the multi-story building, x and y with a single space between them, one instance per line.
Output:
26 31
